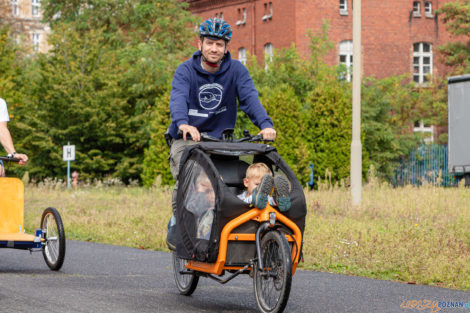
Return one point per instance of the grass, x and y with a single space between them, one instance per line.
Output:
409 234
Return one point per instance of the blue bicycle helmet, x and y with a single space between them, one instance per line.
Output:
216 28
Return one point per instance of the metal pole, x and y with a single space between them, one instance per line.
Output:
68 174
68 169
356 146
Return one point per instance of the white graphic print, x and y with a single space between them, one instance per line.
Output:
196 113
210 96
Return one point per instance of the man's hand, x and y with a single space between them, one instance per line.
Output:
23 158
268 133
188 129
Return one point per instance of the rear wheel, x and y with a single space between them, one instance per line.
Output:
53 249
272 284
186 280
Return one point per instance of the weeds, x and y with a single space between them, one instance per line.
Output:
408 234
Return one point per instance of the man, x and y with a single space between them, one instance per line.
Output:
204 98
5 138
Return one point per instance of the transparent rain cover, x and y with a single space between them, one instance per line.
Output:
199 199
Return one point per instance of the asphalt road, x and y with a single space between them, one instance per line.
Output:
105 278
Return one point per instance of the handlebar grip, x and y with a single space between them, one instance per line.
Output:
260 138
7 159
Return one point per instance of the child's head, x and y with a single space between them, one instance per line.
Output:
204 185
254 173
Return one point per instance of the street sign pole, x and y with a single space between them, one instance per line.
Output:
68 174
356 146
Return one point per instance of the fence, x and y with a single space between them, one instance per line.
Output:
427 163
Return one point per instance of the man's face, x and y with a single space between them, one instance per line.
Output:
212 50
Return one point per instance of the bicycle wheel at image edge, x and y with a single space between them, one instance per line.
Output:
272 284
53 249
186 283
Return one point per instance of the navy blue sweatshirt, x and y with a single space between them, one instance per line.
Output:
208 101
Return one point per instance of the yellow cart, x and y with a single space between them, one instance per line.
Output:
50 238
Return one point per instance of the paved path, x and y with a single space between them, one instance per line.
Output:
105 278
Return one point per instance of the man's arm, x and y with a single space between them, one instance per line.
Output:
7 143
179 98
250 104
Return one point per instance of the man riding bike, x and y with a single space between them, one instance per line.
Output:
204 97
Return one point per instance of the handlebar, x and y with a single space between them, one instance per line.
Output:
8 159
248 138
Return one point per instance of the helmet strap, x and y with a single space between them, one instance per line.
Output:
210 63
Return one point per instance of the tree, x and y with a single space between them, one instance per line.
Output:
456 17
96 88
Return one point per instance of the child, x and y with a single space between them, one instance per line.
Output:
201 203
260 182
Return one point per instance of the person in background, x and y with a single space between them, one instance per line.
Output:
6 140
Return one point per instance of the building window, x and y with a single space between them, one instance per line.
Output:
219 15
36 42
346 58
269 14
242 55
343 7
268 54
422 62
242 16
416 9
35 8
14 7
426 130
428 9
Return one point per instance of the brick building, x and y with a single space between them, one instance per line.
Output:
398 37
24 18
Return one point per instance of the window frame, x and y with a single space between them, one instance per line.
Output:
268 54
35 8
36 39
241 13
343 7
428 9
416 9
346 49
242 55
270 15
14 7
420 56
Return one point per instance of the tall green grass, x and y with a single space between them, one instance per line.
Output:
409 234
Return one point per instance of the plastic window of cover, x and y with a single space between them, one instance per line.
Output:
199 199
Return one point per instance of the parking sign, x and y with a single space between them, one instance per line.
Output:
69 153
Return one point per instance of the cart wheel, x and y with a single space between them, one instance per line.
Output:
272 284
186 283
53 249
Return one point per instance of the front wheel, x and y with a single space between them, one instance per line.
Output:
53 249
272 284
186 281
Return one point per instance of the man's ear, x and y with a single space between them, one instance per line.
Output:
199 44
245 182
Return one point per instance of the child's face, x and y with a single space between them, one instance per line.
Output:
251 182
204 185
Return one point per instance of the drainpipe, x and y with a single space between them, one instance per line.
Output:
253 29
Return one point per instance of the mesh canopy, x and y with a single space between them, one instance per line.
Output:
210 178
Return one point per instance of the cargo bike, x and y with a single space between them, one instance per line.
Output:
220 236
49 238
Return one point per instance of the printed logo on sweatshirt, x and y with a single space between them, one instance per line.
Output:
210 96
